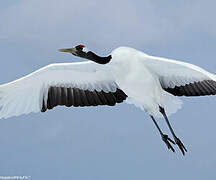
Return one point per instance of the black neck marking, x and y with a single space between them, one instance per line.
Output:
92 56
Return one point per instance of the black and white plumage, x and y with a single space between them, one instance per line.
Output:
151 83
73 84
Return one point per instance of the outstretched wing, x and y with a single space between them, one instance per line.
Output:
182 79
69 84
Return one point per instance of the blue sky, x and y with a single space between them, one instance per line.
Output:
105 142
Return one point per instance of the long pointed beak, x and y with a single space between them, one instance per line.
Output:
70 50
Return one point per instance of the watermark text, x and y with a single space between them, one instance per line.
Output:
15 177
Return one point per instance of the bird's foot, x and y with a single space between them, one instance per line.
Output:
180 145
167 141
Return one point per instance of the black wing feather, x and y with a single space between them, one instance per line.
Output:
201 88
78 98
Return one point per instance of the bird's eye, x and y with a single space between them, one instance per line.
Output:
79 47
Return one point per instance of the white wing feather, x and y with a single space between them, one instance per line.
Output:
175 73
25 95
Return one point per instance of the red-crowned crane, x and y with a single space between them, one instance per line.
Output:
151 83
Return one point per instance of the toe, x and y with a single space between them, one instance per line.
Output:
180 145
167 141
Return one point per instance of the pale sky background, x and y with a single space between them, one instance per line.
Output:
106 143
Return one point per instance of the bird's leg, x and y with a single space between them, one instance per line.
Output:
165 137
177 140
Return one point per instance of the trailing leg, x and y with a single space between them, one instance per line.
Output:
165 137
177 140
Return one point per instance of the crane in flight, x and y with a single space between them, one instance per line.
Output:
150 83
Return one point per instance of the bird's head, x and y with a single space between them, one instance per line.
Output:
81 51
